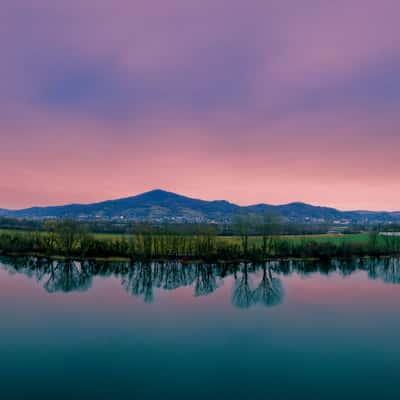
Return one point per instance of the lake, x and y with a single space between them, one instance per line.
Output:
281 330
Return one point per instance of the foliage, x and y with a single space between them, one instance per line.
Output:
73 239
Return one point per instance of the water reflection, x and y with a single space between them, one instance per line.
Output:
268 293
140 281
270 290
68 276
388 270
253 284
242 296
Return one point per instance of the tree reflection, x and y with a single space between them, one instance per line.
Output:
206 280
242 296
270 290
68 276
388 270
177 275
144 279
268 293
139 281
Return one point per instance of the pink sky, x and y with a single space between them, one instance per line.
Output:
272 101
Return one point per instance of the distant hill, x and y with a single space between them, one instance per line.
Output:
162 206
156 205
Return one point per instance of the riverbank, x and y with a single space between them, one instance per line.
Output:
67 242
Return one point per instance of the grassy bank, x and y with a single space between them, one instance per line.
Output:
256 240
69 239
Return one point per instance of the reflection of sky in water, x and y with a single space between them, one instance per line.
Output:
331 335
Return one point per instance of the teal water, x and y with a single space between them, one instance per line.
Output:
287 330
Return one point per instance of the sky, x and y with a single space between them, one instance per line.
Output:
250 101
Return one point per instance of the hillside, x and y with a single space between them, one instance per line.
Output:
162 206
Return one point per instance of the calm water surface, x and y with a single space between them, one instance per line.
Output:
288 330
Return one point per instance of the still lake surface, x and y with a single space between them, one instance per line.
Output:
283 330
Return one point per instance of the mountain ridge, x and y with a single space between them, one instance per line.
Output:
163 206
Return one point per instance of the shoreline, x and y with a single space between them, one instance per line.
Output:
196 260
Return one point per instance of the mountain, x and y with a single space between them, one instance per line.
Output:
162 206
296 210
156 205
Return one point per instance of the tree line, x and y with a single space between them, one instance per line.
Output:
73 239
223 229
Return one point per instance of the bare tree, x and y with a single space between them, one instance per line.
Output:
242 224
69 234
269 228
